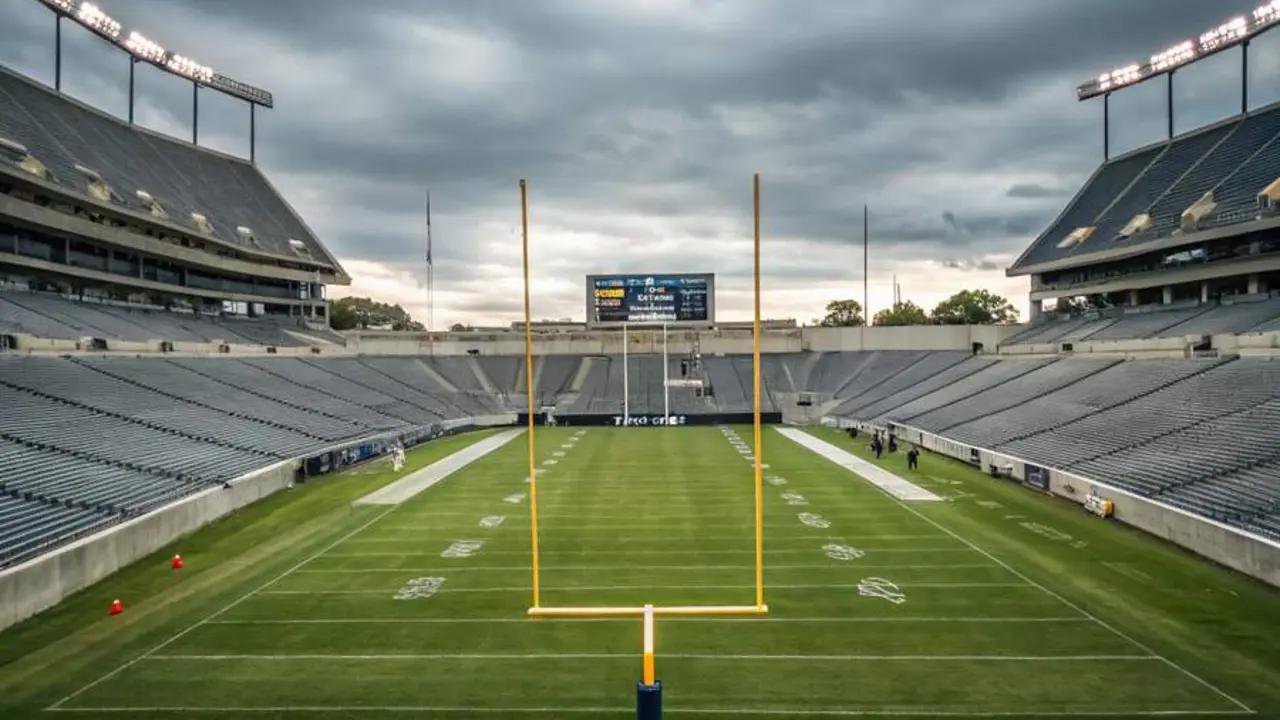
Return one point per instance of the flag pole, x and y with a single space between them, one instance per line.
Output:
431 285
866 277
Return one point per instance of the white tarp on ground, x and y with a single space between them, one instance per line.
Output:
414 483
873 474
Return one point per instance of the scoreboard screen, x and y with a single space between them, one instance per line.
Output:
653 299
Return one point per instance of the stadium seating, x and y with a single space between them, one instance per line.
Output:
1233 316
53 316
184 179
1200 434
87 441
1234 159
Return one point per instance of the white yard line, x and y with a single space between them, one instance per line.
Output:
703 538
767 619
770 586
631 657
438 710
852 566
625 553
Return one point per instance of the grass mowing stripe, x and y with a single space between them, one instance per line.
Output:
1106 626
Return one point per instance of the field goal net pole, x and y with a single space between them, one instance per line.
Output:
759 608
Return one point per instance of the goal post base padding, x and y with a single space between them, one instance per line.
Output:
649 701
637 611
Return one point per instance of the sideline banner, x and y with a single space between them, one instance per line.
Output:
653 420
1035 476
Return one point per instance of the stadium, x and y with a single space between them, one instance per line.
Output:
214 505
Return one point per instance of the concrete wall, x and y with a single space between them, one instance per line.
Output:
1237 549
727 341
44 581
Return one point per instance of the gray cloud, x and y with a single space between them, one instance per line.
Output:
1035 191
638 125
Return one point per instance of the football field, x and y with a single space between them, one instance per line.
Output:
993 601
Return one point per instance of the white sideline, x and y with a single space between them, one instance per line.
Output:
416 482
883 479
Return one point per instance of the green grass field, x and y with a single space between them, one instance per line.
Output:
1007 603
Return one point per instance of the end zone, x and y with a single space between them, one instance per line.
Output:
881 478
415 482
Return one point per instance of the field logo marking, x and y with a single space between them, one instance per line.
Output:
814 520
839 551
462 549
875 587
794 498
492 521
419 588
514 498
775 481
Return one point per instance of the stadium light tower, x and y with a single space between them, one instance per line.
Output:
140 49
1238 32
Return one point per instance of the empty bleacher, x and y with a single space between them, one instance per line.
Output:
183 178
1231 316
49 315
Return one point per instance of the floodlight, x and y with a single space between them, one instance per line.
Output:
64 6
1119 77
1229 32
93 18
145 49
190 68
1267 14
1177 55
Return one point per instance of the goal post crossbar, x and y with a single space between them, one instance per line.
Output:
759 608
638 611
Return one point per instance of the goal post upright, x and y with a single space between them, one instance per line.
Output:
528 380
755 413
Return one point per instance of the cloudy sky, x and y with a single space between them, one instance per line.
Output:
638 124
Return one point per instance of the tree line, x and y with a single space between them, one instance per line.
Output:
967 307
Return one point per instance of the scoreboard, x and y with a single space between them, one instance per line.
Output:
651 299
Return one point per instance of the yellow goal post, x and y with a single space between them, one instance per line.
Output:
537 609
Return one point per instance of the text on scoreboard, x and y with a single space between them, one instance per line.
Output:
651 298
